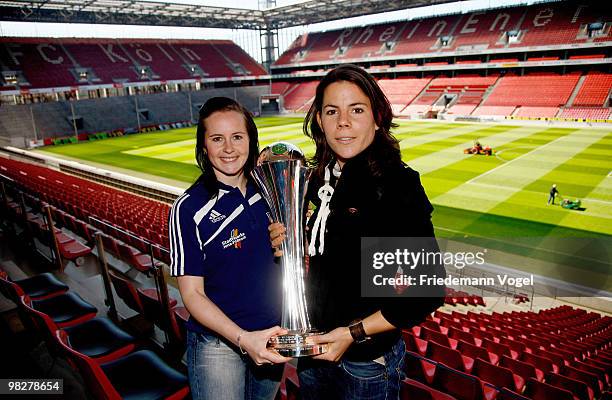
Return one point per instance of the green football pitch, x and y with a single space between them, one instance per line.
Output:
500 196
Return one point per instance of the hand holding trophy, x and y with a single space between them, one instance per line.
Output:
282 177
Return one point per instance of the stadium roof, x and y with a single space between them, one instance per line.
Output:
134 12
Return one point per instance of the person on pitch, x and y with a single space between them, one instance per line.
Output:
552 194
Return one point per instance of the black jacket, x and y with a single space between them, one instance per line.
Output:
393 204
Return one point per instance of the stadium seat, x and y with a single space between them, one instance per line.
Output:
134 298
507 394
66 310
516 348
110 244
126 292
496 348
580 389
73 250
140 374
449 357
599 372
541 363
181 316
142 262
439 337
37 287
461 385
414 343
153 309
537 390
290 384
473 351
520 368
419 368
98 338
497 376
142 300
415 390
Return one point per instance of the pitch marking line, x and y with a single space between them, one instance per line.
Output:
413 141
505 165
544 194
450 155
468 196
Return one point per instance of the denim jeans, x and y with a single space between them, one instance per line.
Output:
368 380
218 371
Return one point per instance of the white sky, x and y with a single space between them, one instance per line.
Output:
248 40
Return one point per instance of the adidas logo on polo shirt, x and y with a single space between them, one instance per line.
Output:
215 216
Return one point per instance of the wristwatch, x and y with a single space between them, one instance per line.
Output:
357 332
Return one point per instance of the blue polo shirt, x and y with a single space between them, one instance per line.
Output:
224 238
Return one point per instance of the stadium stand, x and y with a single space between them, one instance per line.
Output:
494 110
536 25
300 97
157 83
100 115
70 62
527 111
563 338
84 199
595 90
402 91
537 89
593 113
461 109
528 94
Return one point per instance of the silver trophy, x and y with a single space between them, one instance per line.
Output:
282 177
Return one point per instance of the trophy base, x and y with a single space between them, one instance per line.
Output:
295 345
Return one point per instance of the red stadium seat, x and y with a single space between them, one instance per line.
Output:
537 390
580 389
473 351
541 363
419 368
507 394
141 374
449 357
498 376
414 390
414 343
98 338
461 385
142 262
439 337
520 368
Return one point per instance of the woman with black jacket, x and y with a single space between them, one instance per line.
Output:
360 188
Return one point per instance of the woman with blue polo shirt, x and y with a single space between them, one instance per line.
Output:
221 254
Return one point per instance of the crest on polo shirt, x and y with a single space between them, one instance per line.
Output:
215 216
234 240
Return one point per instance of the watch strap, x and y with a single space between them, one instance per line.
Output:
357 332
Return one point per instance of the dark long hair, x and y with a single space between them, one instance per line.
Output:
213 105
385 146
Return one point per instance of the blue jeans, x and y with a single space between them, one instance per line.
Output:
353 380
218 371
